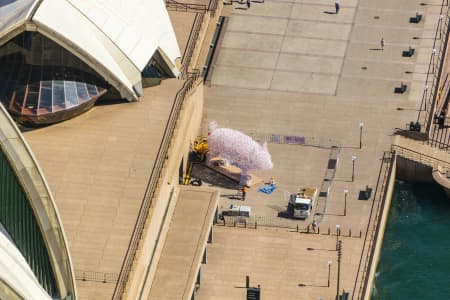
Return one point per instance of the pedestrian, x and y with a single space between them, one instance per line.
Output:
244 191
248 4
336 5
272 181
314 225
382 43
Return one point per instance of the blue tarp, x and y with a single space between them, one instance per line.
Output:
267 189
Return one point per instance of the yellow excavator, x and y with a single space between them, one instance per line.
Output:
200 150
201 147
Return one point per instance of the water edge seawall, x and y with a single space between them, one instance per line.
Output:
405 170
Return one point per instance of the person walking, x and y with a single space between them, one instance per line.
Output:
248 4
314 225
337 6
382 43
272 180
244 192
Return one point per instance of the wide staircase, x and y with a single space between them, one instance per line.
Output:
424 154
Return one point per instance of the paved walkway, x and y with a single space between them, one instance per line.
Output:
98 166
185 244
295 68
278 260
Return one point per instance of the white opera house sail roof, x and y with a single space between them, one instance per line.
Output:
57 57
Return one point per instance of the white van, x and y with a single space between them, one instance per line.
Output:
238 211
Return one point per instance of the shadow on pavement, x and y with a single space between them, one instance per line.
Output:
208 175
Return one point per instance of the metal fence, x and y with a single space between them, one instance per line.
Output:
432 90
318 142
367 253
193 80
294 225
96 276
265 221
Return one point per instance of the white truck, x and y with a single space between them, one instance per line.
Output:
301 203
238 211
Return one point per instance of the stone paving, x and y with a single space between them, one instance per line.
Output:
294 68
97 166
287 264
287 68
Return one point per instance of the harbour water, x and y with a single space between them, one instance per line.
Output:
415 257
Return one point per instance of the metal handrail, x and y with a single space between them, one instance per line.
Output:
380 193
443 95
367 254
155 175
440 137
192 7
212 7
191 44
437 78
428 99
420 157
377 223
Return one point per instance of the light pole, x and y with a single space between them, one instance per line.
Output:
433 53
345 201
361 125
339 268
329 271
338 229
353 167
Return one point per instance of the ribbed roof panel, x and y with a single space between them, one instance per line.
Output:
137 27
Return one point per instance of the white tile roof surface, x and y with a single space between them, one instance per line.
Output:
119 35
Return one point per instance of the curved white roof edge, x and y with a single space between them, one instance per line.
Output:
136 27
64 24
14 13
17 274
41 200
116 38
